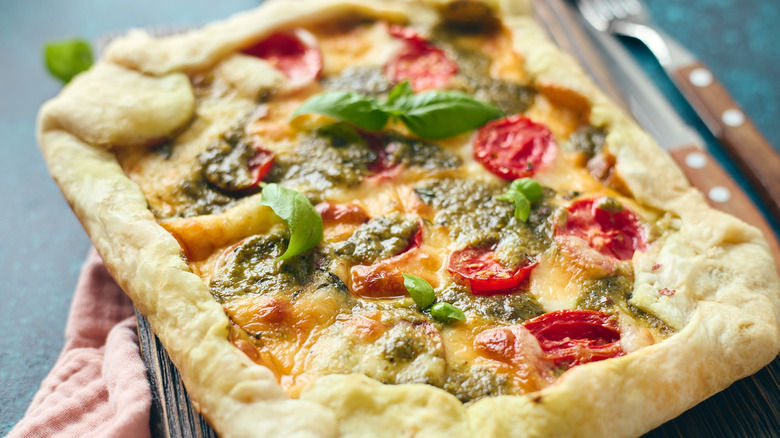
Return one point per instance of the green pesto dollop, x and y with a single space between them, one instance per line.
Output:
378 239
252 269
474 217
608 293
225 164
501 308
365 80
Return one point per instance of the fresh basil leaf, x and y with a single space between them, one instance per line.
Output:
365 112
522 205
67 58
300 216
399 95
443 114
446 312
420 290
528 187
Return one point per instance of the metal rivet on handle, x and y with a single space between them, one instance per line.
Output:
719 194
696 160
733 117
701 77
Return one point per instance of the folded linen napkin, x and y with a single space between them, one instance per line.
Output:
98 385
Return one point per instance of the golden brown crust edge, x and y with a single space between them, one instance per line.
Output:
727 301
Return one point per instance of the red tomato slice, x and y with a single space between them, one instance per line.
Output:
518 348
614 234
384 279
407 34
485 274
382 168
514 147
294 54
341 213
259 166
425 66
575 337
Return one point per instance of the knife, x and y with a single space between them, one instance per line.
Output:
616 71
752 153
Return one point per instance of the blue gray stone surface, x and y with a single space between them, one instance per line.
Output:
43 245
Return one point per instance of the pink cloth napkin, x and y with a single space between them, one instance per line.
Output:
98 386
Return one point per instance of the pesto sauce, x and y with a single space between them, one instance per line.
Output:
404 343
474 73
321 161
501 308
339 156
417 153
588 140
252 269
365 80
380 238
473 383
201 198
225 164
604 294
408 351
474 217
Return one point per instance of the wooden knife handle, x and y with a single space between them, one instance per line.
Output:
752 153
722 192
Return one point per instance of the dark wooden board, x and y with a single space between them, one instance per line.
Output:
172 413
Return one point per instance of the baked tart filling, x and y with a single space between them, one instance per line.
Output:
512 218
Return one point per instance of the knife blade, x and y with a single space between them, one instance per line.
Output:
603 54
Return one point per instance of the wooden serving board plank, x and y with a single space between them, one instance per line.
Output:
172 414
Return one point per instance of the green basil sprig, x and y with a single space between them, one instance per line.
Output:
522 192
431 115
300 216
423 295
66 58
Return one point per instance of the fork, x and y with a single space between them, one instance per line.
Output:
752 153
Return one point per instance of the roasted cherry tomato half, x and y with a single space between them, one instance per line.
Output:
383 168
613 231
514 147
408 34
575 337
295 54
259 165
342 213
425 66
485 274
384 279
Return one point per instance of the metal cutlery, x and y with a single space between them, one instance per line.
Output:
752 153
615 67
